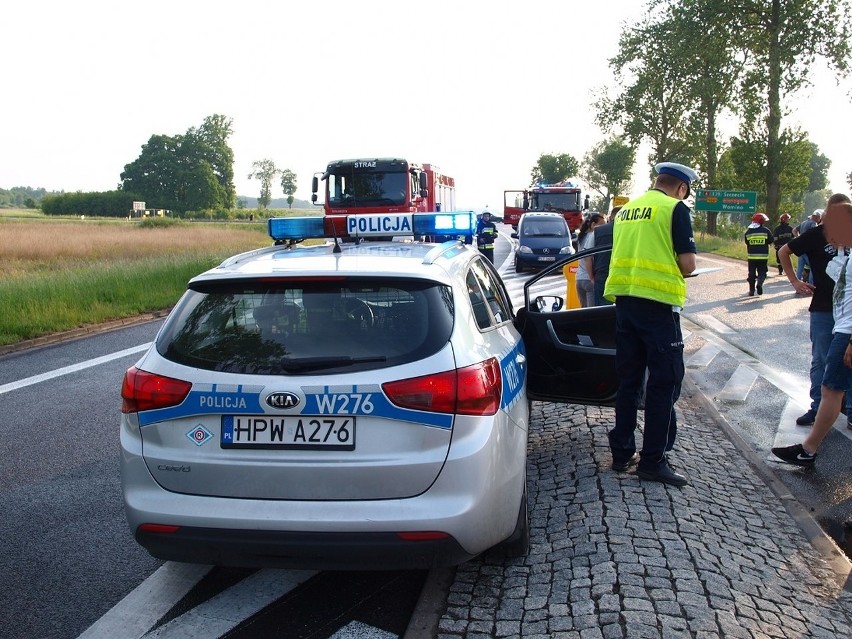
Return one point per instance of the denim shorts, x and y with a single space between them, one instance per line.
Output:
837 375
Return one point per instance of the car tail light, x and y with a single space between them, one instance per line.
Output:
160 529
430 535
473 390
142 390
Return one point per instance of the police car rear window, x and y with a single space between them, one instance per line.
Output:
305 326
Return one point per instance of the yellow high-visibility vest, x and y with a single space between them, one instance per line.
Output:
643 261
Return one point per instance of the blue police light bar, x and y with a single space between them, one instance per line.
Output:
449 223
295 228
445 223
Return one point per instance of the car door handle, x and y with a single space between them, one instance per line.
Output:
575 347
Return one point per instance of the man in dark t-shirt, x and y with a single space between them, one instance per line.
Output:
815 247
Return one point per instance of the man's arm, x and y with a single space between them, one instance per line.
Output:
686 263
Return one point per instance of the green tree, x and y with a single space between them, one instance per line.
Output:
212 137
608 169
743 167
552 169
189 172
265 171
653 104
785 40
288 185
711 67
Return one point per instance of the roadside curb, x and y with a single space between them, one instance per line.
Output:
430 605
88 329
818 538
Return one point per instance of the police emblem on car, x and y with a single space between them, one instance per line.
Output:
282 400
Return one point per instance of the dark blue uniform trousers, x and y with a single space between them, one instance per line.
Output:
648 337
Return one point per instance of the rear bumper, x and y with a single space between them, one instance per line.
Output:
301 550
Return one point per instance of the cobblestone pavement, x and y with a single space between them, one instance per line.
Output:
614 557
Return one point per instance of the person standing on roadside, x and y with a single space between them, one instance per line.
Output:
602 236
653 250
837 378
804 227
585 282
757 239
814 245
486 233
783 233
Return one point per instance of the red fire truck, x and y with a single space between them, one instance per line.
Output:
383 185
565 198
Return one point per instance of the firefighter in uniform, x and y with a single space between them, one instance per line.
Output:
486 233
757 239
783 233
653 249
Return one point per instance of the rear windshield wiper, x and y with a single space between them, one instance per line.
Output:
316 363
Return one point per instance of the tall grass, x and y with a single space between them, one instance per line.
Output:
55 276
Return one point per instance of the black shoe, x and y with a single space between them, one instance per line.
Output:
751 293
622 465
760 289
665 476
794 455
807 419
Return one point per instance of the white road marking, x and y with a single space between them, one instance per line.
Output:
739 384
228 609
59 372
715 325
137 613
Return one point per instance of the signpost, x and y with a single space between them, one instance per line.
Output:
726 201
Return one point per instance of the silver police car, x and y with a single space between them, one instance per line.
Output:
350 405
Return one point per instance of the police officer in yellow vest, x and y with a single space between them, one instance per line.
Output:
653 249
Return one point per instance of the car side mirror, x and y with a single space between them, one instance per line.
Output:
548 303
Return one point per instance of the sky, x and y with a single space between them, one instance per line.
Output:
478 88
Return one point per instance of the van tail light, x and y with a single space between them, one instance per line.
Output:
473 390
142 390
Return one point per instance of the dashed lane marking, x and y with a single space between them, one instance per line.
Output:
35 379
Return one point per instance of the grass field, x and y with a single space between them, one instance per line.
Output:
60 274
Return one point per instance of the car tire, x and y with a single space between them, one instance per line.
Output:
518 267
518 543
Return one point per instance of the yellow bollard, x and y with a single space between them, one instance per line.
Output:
572 300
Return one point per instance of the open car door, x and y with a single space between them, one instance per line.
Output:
570 351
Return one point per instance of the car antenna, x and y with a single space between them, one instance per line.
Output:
337 248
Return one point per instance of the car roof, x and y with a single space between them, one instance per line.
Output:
386 259
542 214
